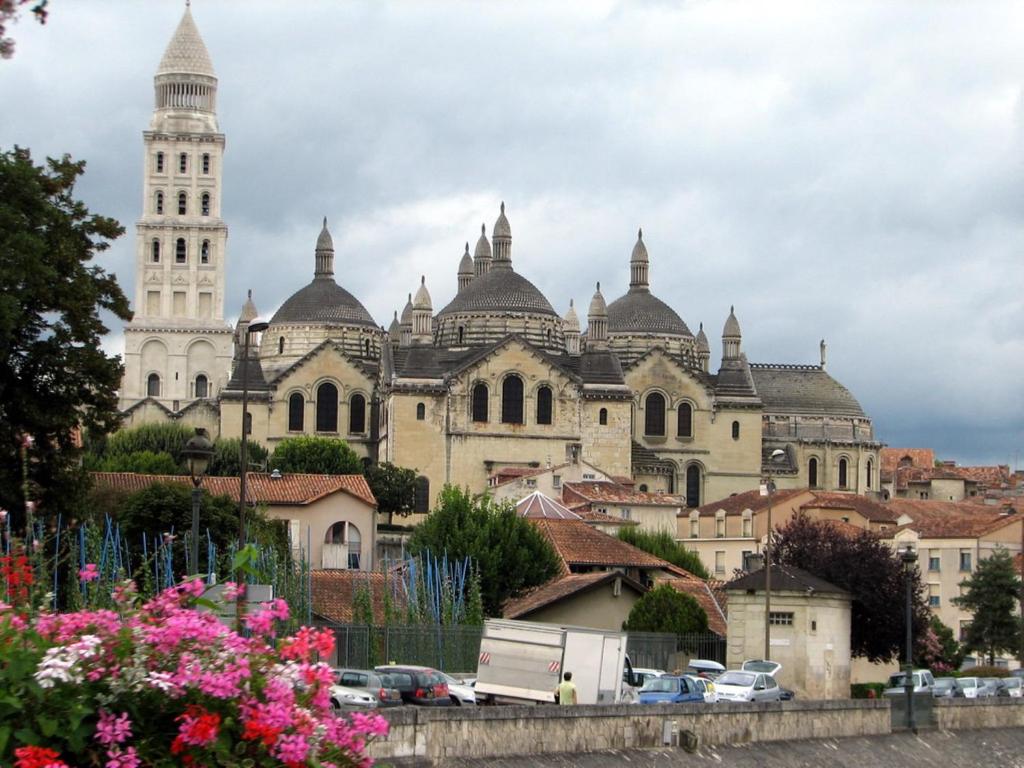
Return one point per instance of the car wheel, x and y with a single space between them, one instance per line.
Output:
455 701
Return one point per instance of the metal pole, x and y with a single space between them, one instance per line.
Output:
194 549
768 577
239 575
909 680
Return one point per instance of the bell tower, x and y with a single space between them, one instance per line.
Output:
178 346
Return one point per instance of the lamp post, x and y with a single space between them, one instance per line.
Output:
198 451
777 454
250 329
909 558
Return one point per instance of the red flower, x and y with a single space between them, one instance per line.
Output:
38 757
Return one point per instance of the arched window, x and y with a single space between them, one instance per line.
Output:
602 417
812 473
296 412
202 386
357 414
421 503
159 162
512 400
156 251
684 420
462 332
153 385
355 547
280 345
867 480
180 251
327 408
654 415
735 430
544 405
182 203
204 252
842 473
183 162
205 203
335 534
366 347
159 202
480 402
206 163
693 486
421 411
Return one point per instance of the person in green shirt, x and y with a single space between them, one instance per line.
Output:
566 690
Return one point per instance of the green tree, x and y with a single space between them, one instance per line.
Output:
937 649
316 455
54 375
991 595
661 544
865 567
168 438
140 462
227 457
394 488
665 609
511 554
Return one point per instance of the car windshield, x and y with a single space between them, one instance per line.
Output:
448 679
742 679
945 682
1012 682
968 682
899 680
760 666
661 685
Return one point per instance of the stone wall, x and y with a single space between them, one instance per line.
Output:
438 734
963 714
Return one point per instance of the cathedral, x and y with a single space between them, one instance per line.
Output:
494 381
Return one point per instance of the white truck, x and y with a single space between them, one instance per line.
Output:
523 662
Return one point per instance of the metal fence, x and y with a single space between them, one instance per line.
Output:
666 651
453 649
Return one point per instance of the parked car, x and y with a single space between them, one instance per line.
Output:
705 668
707 687
970 687
642 674
990 687
377 684
769 668
671 689
737 685
1017 672
947 688
461 693
1012 687
422 686
923 683
343 697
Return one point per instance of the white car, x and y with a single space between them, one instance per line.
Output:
1012 687
343 697
460 693
707 687
642 674
737 685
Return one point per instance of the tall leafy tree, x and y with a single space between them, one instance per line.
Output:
316 455
511 555
663 545
394 488
991 594
665 609
54 375
869 570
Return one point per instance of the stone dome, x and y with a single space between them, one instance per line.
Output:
571 322
407 311
466 265
702 340
639 250
499 291
643 312
395 328
732 325
483 247
323 302
324 241
422 299
598 308
501 226
186 53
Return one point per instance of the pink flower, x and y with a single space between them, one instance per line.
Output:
118 759
113 730
231 591
89 573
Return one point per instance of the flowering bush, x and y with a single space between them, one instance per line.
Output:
164 685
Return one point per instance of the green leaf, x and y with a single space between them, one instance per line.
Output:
5 735
26 736
47 725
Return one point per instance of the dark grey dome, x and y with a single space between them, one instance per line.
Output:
643 312
323 302
500 290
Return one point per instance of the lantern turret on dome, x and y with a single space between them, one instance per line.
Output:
571 328
482 254
731 336
395 331
406 323
185 84
502 237
422 315
702 349
597 321
639 264
466 269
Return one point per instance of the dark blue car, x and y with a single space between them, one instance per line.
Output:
669 689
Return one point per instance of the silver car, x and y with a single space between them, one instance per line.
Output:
737 685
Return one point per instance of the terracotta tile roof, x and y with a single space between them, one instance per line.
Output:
334 593
702 592
951 520
580 544
561 587
868 508
752 500
604 492
920 457
261 488
539 505
848 529
990 477
584 512
511 474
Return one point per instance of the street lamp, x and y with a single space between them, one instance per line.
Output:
198 451
909 558
250 329
773 459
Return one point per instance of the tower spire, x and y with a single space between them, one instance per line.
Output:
639 264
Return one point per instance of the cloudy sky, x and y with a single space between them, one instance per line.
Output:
847 171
